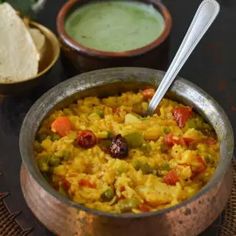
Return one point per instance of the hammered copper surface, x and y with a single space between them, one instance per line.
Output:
64 217
63 220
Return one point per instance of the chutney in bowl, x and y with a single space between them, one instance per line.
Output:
121 33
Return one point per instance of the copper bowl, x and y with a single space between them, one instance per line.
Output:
49 58
154 55
64 217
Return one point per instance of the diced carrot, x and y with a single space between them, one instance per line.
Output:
144 207
61 125
148 93
170 140
181 115
86 183
210 141
65 184
200 166
171 178
188 141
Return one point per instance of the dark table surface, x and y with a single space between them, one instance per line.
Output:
212 66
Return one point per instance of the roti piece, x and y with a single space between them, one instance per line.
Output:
19 57
39 40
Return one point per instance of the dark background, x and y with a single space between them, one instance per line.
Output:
212 66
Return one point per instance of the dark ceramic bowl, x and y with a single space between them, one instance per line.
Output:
48 59
154 55
64 217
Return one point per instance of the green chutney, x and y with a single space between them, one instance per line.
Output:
115 26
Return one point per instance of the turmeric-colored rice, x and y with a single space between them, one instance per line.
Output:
167 157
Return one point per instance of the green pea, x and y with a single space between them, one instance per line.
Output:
192 123
166 130
165 166
107 195
137 164
66 156
197 123
110 134
127 205
37 146
41 137
54 161
100 113
209 160
105 144
54 137
67 111
43 165
62 191
144 167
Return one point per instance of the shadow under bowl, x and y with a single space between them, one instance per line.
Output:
65 217
153 55
49 57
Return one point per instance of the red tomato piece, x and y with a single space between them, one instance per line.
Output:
171 140
61 125
144 207
87 183
210 141
148 93
86 139
190 142
202 165
171 178
65 184
181 115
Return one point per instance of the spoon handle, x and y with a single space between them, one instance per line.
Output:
204 17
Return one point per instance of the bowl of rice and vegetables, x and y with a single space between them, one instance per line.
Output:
102 153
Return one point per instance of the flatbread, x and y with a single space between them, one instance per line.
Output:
19 57
39 39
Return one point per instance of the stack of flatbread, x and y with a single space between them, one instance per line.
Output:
19 56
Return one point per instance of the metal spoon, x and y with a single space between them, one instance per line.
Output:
204 17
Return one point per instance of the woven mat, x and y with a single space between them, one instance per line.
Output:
10 227
228 226
8 222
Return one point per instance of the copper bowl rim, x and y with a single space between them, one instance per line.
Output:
73 44
55 93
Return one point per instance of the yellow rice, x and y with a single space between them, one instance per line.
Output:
136 182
